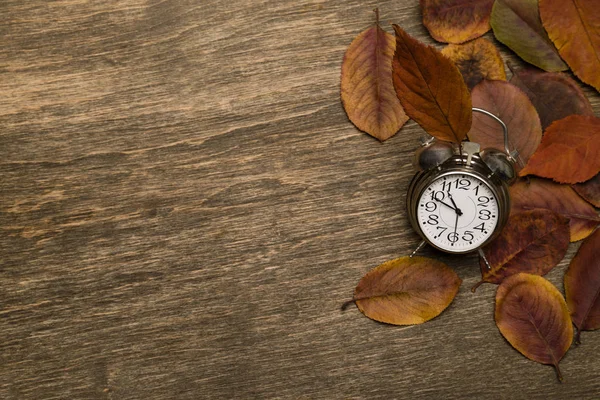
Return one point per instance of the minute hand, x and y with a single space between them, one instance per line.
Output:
444 203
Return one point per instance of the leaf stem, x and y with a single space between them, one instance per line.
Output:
347 304
558 373
474 288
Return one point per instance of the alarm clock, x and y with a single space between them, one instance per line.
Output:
459 200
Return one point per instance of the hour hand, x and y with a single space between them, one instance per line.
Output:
447 205
458 211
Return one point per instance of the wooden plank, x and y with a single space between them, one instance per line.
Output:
184 207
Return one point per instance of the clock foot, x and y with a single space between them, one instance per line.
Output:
485 260
419 247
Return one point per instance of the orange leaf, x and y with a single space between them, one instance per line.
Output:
456 21
532 241
431 89
367 90
574 27
569 151
533 316
590 190
406 291
512 106
582 285
476 60
541 193
553 94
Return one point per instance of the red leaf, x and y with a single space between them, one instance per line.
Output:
456 21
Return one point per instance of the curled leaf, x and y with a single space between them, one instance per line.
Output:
569 151
582 285
590 190
532 241
431 89
456 21
367 90
512 106
533 316
406 291
553 94
574 27
540 193
516 23
476 60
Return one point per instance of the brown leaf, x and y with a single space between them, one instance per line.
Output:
476 60
406 290
456 21
431 89
582 285
553 94
532 241
512 106
367 90
574 27
533 316
569 151
590 190
516 23
541 193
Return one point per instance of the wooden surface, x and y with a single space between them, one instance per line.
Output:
184 207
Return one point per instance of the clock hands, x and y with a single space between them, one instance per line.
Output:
455 208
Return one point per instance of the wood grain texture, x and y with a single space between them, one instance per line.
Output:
184 206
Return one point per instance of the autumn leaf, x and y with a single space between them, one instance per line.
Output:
367 90
574 27
532 241
533 317
569 151
582 285
553 94
516 23
456 21
406 291
476 60
512 106
540 193
589 190
431 89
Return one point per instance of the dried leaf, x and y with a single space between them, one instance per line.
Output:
406 290
569 151
533 316
456 21
512 106
582 285
431 89
553 94
590 190
516 23
541 193
476 60
574 27
532 241
367 91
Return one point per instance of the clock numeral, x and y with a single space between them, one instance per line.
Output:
483 201
484 214
430 206
438 195
480 227
462 184
453 237
468 236
443 229
476 188
446 186
433 219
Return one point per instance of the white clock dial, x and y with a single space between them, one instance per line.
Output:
457 212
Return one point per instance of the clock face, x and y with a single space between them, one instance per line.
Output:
457 212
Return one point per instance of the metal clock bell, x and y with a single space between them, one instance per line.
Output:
459 200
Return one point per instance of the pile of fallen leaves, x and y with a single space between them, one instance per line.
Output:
388 79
